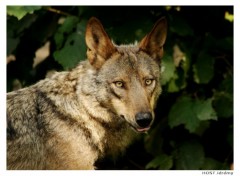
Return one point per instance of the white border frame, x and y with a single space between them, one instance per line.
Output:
5 3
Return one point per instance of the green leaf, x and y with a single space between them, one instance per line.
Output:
59 39
227 85
182 113
21 11
74 49
70 55
65 29
163 162
223 104
190 112
203 126
172 86
69 24
189 156
204 68
204 110
169 68
175 77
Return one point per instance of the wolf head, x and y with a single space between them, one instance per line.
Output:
127 76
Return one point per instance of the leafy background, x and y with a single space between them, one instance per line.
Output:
194 117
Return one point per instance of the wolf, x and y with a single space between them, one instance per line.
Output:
74 118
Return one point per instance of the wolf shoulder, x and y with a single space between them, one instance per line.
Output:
26 107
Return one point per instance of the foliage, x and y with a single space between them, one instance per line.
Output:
194 116
21 11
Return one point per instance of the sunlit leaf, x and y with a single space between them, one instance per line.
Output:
21 11
69 24
66 28
73 51
169 68
229 16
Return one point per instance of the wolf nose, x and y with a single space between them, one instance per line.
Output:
143 119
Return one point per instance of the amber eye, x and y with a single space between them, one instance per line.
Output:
148 82
119 84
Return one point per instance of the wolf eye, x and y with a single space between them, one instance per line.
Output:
119 84
148 82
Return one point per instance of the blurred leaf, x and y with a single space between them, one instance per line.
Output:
163 162
203 126
190 112
227 85
72 52
182 113
69 24
21 11
74 49
204 111
176 77
169 68
178 81
66 28
204 68
172 85
132 30
228 16
59 39
223 103
189 156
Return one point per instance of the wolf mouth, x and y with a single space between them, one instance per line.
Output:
136 129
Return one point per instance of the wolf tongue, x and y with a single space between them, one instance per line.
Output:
142 129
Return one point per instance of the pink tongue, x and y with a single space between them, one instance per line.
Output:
142 129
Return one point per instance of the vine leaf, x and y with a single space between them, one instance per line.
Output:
190 112
21 11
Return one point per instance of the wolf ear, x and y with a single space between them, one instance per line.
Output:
100 47
153 42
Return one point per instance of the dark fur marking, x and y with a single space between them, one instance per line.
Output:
11 132
114 93
95 38
69 120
